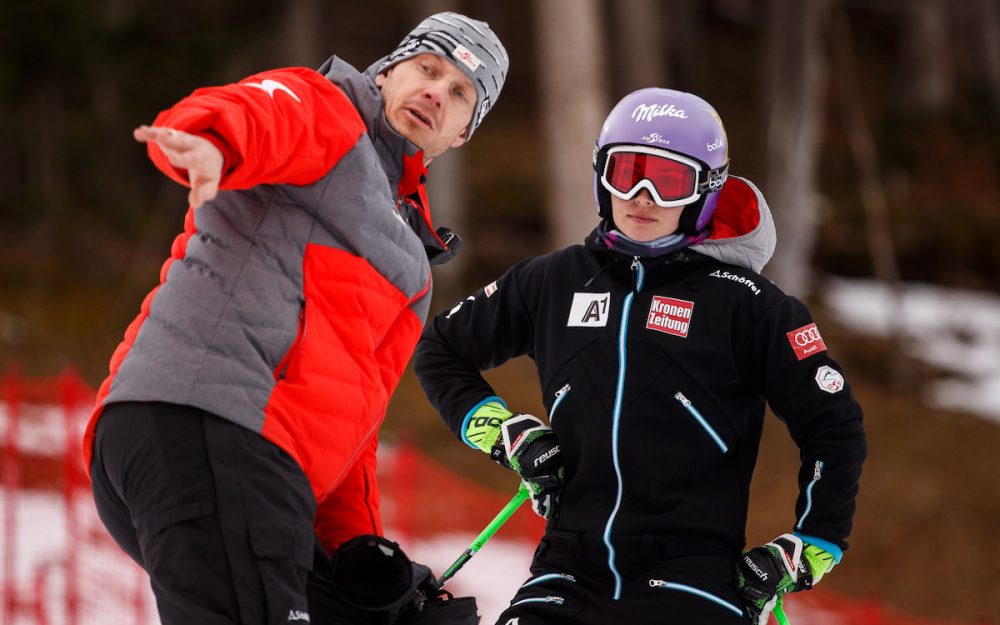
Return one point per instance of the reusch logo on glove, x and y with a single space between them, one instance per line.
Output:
756 569
540 459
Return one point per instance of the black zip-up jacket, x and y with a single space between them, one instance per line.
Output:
655 374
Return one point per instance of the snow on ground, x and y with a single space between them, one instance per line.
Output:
953 329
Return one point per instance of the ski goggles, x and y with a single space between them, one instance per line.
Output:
671 179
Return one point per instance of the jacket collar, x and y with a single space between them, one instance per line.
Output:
393 149
402 161
742 231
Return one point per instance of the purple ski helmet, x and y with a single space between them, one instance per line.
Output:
672 122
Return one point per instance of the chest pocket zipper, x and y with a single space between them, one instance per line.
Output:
659 583
555 600
560 395
684 401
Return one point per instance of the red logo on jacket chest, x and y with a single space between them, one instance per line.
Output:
669 315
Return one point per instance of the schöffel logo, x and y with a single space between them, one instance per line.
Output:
669 315
806 341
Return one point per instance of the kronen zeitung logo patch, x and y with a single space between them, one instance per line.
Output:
670 316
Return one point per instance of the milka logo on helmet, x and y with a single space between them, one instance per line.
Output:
655 137
715 145
649 112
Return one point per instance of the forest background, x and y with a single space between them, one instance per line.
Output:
870 125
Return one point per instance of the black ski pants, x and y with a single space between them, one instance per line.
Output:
220 518
662 584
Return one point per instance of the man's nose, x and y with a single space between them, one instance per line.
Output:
435 93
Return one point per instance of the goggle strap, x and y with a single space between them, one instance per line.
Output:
713 179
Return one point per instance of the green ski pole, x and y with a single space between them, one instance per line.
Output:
779 613
486 534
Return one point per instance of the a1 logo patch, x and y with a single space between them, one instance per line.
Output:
670 316
589 310
806 341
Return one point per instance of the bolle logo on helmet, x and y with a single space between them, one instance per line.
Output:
718 144
806 341
649 112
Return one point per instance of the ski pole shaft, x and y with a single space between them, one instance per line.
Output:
779 613
486 534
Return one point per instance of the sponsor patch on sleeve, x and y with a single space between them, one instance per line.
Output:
806 341
829 379
490 288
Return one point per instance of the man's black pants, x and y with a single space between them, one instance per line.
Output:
220 518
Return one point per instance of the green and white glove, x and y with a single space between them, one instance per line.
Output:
784 565
523 443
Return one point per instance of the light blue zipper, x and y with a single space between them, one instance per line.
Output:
659 583
817 474
555 600
679 396
615 421
560 395
547 577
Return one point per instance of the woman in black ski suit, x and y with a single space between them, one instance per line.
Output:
658 344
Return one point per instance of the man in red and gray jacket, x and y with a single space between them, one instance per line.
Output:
241 412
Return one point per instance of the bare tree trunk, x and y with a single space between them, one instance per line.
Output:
989 34
571 85
688 41
44 130
873 195
795 73
927 81
641 35
302 37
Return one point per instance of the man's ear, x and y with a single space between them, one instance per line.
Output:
461 138
380 78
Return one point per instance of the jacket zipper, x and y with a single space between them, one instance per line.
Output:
555 600
638 273
684 401
560 395
817 475
659 583
548 576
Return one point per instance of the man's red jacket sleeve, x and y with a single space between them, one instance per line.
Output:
282 126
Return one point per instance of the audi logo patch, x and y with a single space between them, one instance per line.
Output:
806 341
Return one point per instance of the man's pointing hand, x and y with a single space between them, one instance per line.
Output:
202 160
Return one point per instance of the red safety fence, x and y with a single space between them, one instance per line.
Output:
58 566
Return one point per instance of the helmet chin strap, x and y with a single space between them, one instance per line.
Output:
689 216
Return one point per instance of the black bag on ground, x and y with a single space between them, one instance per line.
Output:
370 581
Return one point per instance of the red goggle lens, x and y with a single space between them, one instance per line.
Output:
673 180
